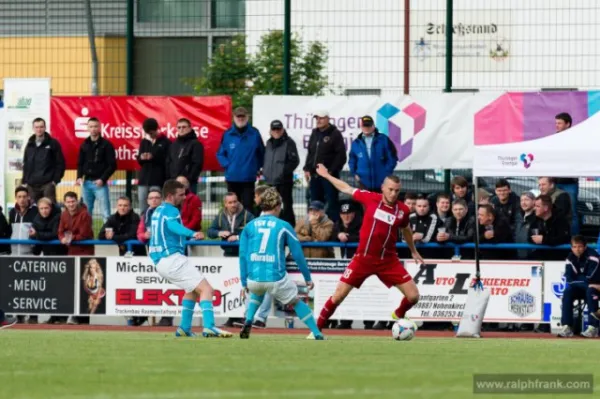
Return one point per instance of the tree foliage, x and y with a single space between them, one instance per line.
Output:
235 72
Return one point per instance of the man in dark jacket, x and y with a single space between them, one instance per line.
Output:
5 233
241 154
186 155
122 226
45 227
581 270
43 163
373 157
548 229
229 223
525 219
326 146
460 227
21 219
152 157
493 230
281 159
506 203
561 201
96 164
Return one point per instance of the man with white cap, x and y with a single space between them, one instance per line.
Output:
325 146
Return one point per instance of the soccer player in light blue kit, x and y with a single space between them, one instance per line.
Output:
167 251
262 263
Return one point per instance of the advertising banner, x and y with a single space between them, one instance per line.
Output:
121 118
516 291
429 131
35 285
24 100
554 286
133 288
2 156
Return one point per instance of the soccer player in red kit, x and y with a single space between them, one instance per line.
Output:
376 253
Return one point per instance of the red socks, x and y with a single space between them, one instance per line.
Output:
404 307
327 311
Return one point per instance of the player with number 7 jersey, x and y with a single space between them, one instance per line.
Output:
376 253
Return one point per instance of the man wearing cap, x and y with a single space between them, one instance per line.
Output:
316 227
152 157
325 146
348 227
281 159
241 154
186 155
373 156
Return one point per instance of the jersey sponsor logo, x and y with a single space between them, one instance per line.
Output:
385 217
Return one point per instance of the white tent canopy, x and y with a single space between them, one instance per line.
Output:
572 153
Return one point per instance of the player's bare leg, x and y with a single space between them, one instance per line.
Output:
205 291
341 292
411 297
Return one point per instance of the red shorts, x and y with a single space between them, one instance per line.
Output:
389 270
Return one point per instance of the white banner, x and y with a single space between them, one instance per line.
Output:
516 293
2 156
133 288
24 100
554 286
430 131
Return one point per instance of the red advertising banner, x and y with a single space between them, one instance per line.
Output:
121 118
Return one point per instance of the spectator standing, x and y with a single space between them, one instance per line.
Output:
484 197
506 203
76 225
186 155
460 190
152 157
241 154
229 222
548 229
5 233
410 200
424 223
525 219
122 226
460 227
561 200
281 160
45 227
316 227
581 270
43 163
493 230
373 157
191 207
144 227
564 121
21 220
96 164
326 146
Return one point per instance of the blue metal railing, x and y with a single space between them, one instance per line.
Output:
456 247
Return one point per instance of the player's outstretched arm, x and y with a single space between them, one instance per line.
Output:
179 229
243 258
408 237
298 255
340 185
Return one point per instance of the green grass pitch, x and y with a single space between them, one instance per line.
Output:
139 365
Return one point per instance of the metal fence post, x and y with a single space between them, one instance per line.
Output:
287 38
448 72
129 84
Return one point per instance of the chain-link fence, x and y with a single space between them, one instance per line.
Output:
347 47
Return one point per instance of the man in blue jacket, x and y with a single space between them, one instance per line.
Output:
373 156
241 154
581 267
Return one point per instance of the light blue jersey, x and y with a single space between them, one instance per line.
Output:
168 234
262 250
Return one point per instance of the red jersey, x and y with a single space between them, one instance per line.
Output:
379 231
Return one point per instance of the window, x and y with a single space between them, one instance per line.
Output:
228 14
170 10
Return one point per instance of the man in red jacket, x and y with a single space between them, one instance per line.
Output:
191 207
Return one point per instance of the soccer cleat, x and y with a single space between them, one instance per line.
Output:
180 332
596 314
8 322
245 332
311 336
216 332
566 332
405 318
590 332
